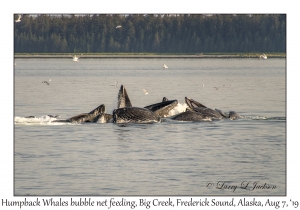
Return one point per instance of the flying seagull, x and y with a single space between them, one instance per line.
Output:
48 83
263 56
19 19
119 26
145 91
75 58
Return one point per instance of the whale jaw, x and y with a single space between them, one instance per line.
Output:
198 107
123 99
163 108
88 117
85 117
134 115
103 118
191 116
193 104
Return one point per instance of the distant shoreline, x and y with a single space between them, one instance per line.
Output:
111 56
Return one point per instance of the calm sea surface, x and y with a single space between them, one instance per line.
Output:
240 157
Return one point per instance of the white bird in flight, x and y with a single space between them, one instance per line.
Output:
19 19
263 56
165 66
75 58
119 26
48 83
145 91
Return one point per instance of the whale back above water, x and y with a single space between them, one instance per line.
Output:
191 116
222 113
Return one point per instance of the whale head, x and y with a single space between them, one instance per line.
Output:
192 104
123 99
234 115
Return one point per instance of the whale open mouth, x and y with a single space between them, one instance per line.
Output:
163 108
100 109
123 98
193 104
125 113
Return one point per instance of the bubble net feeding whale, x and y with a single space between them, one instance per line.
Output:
154 113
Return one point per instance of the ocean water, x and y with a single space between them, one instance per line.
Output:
225 157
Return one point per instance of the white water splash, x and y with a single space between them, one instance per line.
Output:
255 117
101 120
265 118
177 109
43 120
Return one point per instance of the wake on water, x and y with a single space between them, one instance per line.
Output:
43 120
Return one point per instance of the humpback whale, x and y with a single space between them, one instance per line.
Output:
231 115
125 113
215 114
103 118
163 108
198 107
165 99
85 117
191 116
134 115
234 115
123 99
222 113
